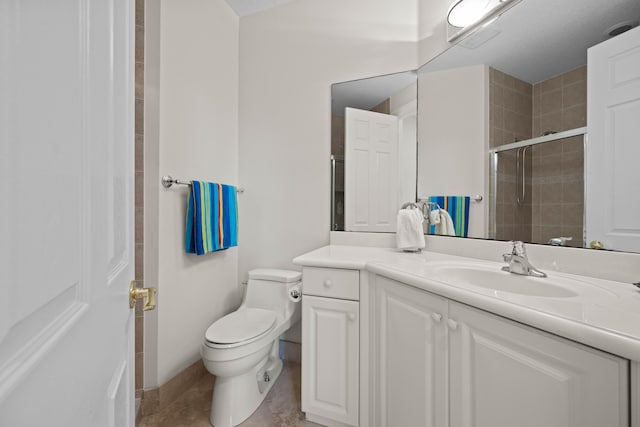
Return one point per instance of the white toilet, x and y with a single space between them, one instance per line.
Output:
241 348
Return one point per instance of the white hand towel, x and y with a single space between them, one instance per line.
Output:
434 216
409 232
445 226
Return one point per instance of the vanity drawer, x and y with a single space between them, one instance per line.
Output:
331 282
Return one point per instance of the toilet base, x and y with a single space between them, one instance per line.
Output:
236 398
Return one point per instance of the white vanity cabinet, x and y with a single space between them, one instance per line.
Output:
330 346
408 357
503 374
440 363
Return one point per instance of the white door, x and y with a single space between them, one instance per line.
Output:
613 143
371 171
330 357
66 212
409 380
505 375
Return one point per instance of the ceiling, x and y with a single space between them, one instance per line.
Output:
367 93
539 39
247 7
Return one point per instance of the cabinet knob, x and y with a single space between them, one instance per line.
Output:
352 316
436 317
327 283
453 325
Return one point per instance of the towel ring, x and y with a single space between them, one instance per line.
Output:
410 205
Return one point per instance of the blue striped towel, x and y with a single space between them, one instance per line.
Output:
212 218
458 208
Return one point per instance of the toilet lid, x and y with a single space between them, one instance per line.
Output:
241 325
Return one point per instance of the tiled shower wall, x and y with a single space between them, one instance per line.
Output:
554 172
559 104
139 189
511 106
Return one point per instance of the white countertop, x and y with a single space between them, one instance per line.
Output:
605 314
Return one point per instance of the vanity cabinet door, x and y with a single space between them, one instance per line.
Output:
409 365
330 354
503 374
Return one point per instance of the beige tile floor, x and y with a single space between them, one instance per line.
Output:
281 407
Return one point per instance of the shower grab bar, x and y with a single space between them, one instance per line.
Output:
168 181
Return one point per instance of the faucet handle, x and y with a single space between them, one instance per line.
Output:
518 248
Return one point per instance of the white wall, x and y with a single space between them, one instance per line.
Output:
404 104
289 57
432 29
455 132
192 135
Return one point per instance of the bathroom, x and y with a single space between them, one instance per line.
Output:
231 99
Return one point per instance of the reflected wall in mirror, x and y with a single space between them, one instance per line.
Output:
503 114
373 151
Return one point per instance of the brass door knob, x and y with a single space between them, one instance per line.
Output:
146 294
596 244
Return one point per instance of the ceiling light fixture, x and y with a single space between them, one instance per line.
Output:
469 15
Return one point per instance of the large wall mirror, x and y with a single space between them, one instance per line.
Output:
502 125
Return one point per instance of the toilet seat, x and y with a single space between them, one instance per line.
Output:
240 327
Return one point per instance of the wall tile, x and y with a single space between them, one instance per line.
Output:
523 87
496 76
139 80
139 332
574 117
551 84
139 116
139 227
547 149
548 232
140 12
139 259
573 164
139 153
139 371
572 214
576 234
551 214
139 189
573 144
576 75
574 94
139 43
573 192
550 123
551 101
497 95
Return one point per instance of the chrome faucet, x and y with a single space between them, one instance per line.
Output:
519 263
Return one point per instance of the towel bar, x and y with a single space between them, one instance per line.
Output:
168 181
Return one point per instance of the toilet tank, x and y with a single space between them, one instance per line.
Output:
269 288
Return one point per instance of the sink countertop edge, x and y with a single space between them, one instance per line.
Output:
384 261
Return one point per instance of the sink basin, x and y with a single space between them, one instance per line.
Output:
494 279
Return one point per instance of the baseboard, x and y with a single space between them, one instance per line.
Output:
155 399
